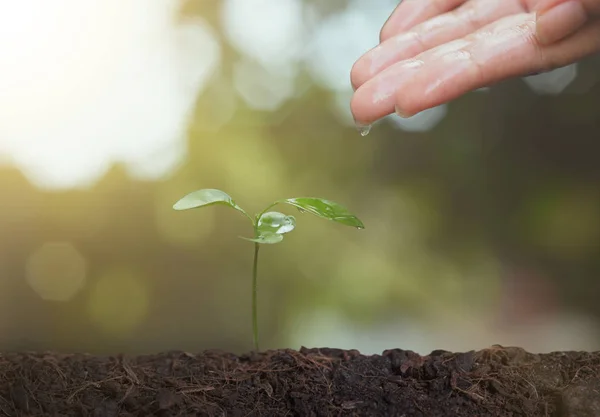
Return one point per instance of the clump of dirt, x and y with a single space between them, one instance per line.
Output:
311 382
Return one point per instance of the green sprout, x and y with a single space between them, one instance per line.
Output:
269 226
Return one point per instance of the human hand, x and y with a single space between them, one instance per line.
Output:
433 51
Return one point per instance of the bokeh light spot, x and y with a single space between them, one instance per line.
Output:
75 83
420 122
251 24
552 82
56 271
338 41
119 301
262 89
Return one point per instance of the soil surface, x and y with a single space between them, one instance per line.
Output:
311 382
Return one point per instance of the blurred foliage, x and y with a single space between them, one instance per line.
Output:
508 177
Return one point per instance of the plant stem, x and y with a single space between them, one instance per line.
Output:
254 297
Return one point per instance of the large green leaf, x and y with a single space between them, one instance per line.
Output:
206 197
266 238
326 209
275 222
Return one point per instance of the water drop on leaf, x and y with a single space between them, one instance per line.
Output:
275 222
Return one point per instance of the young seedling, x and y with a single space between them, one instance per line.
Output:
269 226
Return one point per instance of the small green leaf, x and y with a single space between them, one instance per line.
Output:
266 238
275 222
326 209
206 197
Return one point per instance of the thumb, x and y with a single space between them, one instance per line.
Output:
557 19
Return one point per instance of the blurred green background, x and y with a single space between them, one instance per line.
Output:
482 216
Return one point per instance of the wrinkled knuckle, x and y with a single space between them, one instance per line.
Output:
543 62
476 65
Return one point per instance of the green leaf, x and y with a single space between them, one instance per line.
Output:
326 209
275 222
206 197
266 238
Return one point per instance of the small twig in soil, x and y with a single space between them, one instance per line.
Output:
97 384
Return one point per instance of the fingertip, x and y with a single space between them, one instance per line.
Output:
358 108
394 26
365 107
403 113
386 30
545 5
560 21
377 96
404 106
359 73
385 33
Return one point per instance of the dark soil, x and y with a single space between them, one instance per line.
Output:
312 382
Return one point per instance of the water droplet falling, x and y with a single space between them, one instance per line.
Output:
363 129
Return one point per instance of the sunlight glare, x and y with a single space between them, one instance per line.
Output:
86 83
